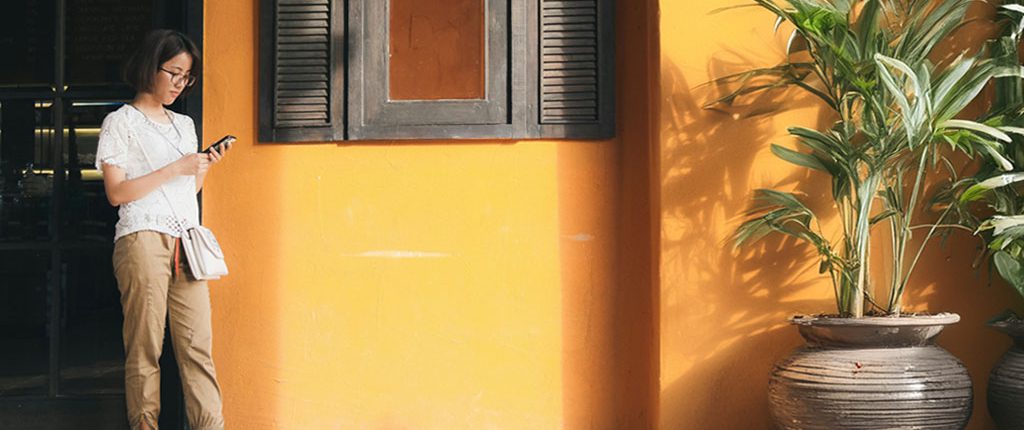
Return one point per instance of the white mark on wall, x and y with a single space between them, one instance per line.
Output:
399 254
581 237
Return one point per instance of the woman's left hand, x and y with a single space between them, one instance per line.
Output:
216 154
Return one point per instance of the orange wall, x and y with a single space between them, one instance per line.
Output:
431 285
534 284
722 313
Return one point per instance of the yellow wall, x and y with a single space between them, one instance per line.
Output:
431 285
722 313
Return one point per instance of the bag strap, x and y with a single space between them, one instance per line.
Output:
178 221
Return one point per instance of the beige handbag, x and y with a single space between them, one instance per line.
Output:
203 253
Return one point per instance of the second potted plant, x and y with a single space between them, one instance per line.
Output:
998 195
871 365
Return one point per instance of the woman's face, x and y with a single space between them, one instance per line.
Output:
171 78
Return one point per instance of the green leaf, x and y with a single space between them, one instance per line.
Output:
977 127
1010 129
1002 223
819 141
779 198
868 23
1014 7
751 231
1010 269
1003 316
882 216
1002 161
952 76
779 212
911 112
889 80
1008 72
908 73
798 158
978 190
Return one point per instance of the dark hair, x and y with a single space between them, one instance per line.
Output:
157 47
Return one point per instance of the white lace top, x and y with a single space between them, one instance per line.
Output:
122 136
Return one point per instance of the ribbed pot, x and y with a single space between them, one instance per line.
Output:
1006 382
871 373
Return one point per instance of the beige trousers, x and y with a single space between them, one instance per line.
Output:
150 289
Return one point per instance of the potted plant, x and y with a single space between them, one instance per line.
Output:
1001 197
870 365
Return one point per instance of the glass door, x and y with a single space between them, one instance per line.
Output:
61 353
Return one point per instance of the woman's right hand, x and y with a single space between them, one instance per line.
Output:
190 165
121 190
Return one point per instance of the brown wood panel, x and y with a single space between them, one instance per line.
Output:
301 70
437 50
569 63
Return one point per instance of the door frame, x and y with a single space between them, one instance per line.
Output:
56 411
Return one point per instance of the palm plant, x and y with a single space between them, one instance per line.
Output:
999 192
869 61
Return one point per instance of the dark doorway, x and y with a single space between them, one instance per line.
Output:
61 355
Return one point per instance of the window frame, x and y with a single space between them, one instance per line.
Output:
370 112
513 105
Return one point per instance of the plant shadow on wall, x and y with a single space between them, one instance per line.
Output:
892 116
730 306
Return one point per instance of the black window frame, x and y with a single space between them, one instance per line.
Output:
372 115
550 74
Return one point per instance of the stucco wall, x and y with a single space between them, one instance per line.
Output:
722 313
431 285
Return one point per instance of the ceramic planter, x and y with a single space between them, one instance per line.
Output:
1006 382
871 373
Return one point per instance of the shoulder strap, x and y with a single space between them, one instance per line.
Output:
179 221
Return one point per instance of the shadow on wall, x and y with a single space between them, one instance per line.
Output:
609 334
727 309
246 318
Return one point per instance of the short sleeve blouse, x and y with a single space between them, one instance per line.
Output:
123 135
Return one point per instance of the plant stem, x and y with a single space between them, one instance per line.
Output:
898 246
957 226
920 250
896 293
867 196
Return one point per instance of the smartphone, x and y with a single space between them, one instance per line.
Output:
224 142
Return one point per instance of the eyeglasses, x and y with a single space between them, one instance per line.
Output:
179 78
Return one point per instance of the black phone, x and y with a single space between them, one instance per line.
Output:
225 141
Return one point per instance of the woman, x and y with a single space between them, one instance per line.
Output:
151 170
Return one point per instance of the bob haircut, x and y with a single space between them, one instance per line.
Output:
157 47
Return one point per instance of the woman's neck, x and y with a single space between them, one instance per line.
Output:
150 107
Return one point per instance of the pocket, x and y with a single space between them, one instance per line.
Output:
122 252
126 241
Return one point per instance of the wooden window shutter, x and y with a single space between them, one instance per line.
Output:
301 83
575 71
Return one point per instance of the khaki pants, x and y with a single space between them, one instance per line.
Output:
149 288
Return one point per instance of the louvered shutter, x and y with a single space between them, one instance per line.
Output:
301 71
576 83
